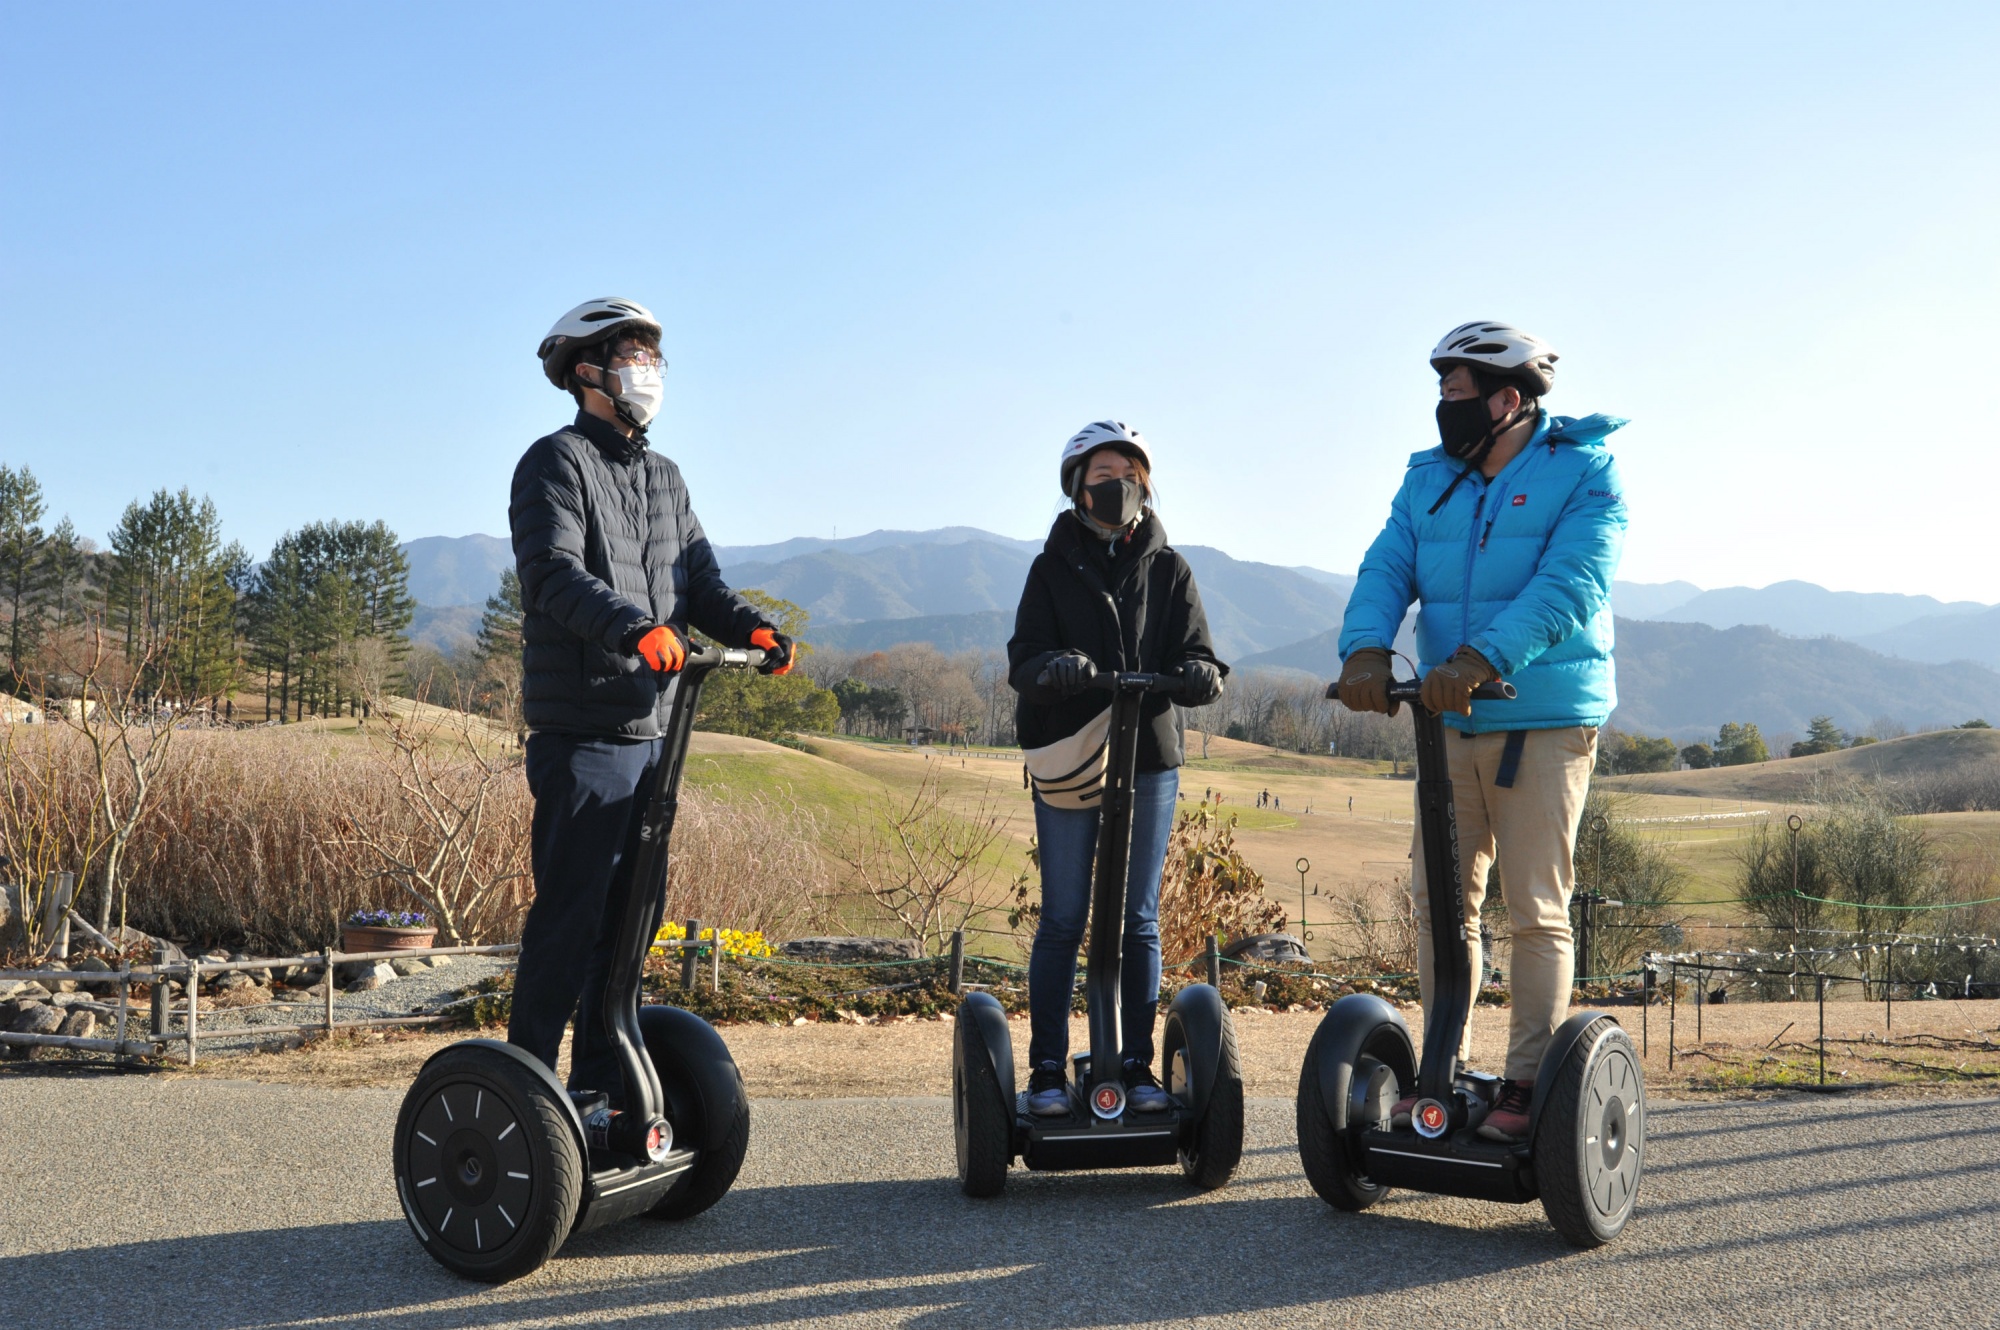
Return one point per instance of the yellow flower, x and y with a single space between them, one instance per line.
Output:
735 942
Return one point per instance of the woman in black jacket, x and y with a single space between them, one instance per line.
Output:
1106 592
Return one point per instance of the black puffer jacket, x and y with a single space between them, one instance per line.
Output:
1128 604
606 543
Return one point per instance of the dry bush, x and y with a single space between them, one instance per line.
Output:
748 862
1207 887
250 838
1371 928
926 867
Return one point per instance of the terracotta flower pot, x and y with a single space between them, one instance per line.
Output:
354 938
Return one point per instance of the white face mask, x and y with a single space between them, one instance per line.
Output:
640 392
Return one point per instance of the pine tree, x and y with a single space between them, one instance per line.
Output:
170 595
23 568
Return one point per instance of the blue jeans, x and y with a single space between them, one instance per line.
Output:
1067 838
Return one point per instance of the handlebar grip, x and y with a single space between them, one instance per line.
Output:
1497 691
1411 690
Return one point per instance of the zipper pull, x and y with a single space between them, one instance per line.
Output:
1484 534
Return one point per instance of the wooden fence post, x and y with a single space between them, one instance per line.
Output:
1214 963
690 953
194 1004
956 980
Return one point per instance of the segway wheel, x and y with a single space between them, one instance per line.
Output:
1210 1154
982 1121
487 1165
706 1103
1324 1149
1590 1139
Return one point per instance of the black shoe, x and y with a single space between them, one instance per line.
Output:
1142 1090
1048 1092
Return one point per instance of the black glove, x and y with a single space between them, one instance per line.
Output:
1204 682
1069 674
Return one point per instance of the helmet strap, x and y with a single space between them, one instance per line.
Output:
603 390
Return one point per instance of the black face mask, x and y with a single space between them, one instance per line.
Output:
1115 503
1465 427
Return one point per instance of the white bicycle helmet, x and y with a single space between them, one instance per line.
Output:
585 326
1102 434
1500 350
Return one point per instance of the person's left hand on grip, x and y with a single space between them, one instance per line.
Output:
663 647
1204 681
783 652
1448 687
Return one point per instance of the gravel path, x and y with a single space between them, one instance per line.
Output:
219 1204
424 993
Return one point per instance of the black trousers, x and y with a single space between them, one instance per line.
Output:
590 799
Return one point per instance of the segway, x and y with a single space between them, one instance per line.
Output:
496 1164
1587 1133
1203 1131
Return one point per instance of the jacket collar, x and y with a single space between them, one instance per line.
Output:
608 439
1070 538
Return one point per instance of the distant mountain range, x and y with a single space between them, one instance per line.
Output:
1688 658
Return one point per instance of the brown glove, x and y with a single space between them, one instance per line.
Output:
1364 682
1448 687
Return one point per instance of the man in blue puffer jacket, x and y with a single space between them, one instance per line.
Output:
1507 537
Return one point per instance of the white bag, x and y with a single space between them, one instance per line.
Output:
1069 773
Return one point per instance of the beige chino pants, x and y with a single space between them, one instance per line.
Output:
1531 826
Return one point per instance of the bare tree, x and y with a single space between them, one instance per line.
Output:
925 865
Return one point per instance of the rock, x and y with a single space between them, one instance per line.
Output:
376 974
30 991
10 987
438 962
415 965
294 995
1267 947
97 965
9 1010
231 980
846 950
60 985
38 1019
78 1024
259 976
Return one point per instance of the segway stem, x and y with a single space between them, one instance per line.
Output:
1444 890
645 1102
1106 956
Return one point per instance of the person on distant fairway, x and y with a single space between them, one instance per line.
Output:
1506 536
1106 593
614 568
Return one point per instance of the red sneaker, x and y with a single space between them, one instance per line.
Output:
1508 1121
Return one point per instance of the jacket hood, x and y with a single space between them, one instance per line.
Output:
1577 431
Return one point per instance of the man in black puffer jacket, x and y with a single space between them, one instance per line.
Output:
614 567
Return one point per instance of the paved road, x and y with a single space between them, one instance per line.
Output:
129 1201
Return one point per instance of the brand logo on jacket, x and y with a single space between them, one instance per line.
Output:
1520 500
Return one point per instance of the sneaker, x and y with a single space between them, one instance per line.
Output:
1142 1092
1508 1122
1048 1093
1399 1115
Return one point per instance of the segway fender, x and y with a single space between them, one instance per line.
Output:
533 1064
989 1020
1560 1046
692 1062
1202 1015
1360 1023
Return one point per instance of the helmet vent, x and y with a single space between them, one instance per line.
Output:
600 315
1487 349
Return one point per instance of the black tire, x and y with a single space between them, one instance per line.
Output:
1324 1150
706 1103
480 1136
1211 1152
1590 1138
714 1173
982 1122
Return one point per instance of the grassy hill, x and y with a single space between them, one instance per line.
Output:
1789 780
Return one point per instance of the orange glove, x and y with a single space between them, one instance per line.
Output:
780 647
663 648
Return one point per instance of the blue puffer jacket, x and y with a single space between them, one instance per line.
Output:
1519 567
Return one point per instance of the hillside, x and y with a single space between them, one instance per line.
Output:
1684 679
987 630
1804 609
456 570
1943 637
1939 753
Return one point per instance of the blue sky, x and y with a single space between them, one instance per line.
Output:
299 257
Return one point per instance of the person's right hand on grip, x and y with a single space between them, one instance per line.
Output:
663 648
1364 682
1069 674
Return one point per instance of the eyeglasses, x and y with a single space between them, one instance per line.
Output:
639 356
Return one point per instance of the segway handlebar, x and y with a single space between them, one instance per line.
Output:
1132 681
710 657
1411 690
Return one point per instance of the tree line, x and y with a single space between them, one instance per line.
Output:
321 623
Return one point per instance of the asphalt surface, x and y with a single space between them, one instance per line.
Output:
168 1203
